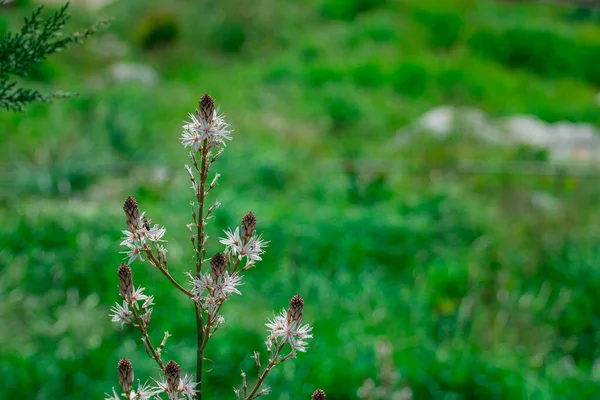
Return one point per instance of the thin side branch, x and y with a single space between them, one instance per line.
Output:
158 265
143 329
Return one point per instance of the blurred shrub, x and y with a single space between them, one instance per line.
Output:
544 52
272 177
157 28
381 28
444 27
452 83
318 74
228 36
343 111
278 73
411 79
118 114
369 74
583 14
3 26
488 86
348 9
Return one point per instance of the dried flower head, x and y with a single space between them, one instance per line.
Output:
296 307
132 212
219 265
318 395
172 373
125 282
125 371
207 108
248 226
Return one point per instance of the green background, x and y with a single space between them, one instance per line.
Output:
481 291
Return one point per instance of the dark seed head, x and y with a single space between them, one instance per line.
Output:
207 107
172 373
219 265
248 226
296 307
132 212
125 371
318 395
125 282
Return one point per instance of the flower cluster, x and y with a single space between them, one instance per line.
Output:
206 124
210 292
176 386
140 232
287 328
172 383
211 289
248 245
127 312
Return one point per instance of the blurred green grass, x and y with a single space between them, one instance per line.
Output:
482 290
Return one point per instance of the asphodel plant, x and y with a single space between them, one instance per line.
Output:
210 281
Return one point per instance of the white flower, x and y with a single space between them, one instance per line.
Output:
191 138
155 233
114 396
139 295
197 130
186 389
143 392
228 286
289 332
121 314
187 386
130 238
209 294
200 284
139 236
253 248
148 303
232 242
135 251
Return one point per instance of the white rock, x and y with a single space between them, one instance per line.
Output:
528 130
564 140
127 71
438 121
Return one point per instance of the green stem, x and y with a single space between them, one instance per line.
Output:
199 259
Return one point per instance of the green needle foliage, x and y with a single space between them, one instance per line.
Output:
19 52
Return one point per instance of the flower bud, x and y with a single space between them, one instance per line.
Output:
318 395
207 108
125 371
132 212
219 265
248 226
172 373
125 282
295 310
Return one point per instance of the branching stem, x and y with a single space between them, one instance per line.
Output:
272 362
158 265
143 329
